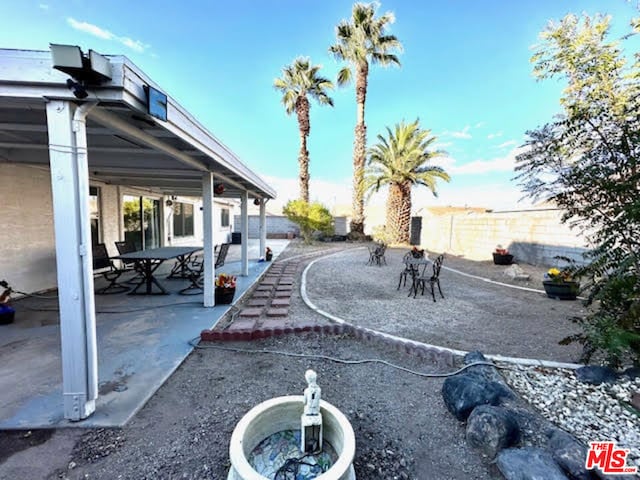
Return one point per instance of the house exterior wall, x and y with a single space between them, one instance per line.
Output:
532 236
27 245
27 240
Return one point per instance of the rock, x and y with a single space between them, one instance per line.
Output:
475 356
463 392
635 400
595 374
492 429
528 463
514 272
631 373
570 454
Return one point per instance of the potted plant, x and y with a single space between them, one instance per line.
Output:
7 313
501 256
225 289
268 254
417 252
560 285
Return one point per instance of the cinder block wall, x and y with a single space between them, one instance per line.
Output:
532 236
279 225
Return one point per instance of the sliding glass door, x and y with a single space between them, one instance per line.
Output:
144 234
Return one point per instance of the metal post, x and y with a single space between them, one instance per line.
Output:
263 227
207 228
244 228
70 189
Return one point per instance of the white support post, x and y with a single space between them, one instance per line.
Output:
263 227
70 189
244 228
207 228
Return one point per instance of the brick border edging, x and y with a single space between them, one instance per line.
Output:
433 354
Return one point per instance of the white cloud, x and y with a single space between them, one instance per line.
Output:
441 145
494 135
464 133
96 31
43 6
479 124
509 143
503 163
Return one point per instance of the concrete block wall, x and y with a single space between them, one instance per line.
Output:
532 236
276 225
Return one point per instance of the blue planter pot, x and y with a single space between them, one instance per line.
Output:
561 290
7 314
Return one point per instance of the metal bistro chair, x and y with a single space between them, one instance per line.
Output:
101 261
195 277
409 269
434 279
376 254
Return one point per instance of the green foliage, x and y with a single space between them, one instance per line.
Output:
586 161
383 234
301 79
310 217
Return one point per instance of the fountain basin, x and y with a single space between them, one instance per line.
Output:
283 413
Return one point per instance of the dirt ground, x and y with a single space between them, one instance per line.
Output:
403 430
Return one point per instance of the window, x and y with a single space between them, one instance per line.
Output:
224 217
182 220
94 214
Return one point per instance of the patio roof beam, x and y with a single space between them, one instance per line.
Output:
112 121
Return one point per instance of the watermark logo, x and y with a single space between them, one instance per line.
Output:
608 458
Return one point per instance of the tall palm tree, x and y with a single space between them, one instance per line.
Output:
362 41
401 160
299 81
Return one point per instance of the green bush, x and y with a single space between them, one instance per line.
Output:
310 217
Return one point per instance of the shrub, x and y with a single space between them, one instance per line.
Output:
310 217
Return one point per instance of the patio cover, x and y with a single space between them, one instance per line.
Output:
110 137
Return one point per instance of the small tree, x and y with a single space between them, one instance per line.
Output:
587 162
310 217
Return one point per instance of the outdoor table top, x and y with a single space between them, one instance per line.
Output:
418 261
162 253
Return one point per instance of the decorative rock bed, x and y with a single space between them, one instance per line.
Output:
527 444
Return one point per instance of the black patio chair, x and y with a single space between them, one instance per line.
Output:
127 246
376 254
103 265
409 270
434 279
195 277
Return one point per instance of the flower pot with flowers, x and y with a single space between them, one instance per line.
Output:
417 252
7 313
501 256
268 254
225 288
559 284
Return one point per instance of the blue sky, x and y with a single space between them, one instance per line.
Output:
465 73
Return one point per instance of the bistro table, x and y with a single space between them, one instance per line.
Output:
148 261
413 264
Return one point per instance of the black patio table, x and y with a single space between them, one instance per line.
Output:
148 261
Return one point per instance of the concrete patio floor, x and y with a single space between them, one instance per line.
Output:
141 341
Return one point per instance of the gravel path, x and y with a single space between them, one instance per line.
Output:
475 315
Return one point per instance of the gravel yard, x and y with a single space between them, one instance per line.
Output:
403 429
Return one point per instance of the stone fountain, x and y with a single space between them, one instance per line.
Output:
295 436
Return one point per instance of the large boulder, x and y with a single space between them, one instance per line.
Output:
570 454
464 392
491 429
595 374
528 463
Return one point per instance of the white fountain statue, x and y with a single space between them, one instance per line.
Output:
311 419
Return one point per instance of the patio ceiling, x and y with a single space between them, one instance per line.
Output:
126 146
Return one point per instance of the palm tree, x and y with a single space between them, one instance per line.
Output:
401 160
361 41
299 80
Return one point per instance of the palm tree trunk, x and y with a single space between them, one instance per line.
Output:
399 211
359 149
302 111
